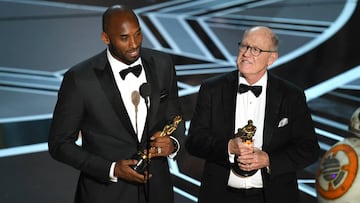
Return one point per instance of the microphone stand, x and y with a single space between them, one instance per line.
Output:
135 99
145 93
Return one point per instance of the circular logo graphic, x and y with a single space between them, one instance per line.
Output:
337 171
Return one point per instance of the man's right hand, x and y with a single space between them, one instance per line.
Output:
236 146
124 171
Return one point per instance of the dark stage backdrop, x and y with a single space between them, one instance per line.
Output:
40 40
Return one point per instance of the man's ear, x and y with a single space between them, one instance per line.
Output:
273 58
105 38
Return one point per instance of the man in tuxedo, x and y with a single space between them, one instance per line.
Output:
283 142
99 99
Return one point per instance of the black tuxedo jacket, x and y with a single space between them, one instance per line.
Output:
90 102
290 147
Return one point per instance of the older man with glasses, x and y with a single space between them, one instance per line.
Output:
253 129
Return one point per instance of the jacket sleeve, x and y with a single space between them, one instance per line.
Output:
65 129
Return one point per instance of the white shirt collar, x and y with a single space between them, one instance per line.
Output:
262 82
118 65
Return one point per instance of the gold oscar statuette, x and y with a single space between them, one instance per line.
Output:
246 134
143 158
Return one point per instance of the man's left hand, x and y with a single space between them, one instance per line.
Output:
161 146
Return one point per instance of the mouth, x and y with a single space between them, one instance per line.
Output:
244 61
134 53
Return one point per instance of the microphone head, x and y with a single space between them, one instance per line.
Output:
145 90
135 98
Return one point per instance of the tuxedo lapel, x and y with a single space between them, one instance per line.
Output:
152 79
274 99
108 84
229 93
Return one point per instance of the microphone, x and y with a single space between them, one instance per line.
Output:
142 158
145 92
135 99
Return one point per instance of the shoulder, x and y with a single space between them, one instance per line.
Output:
97 61
285 87
223 82
157 62
220 80
147 54
283 83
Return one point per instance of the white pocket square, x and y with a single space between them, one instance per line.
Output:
283 122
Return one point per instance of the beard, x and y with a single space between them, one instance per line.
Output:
119 55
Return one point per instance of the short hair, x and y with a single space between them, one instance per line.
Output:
275 40
110 11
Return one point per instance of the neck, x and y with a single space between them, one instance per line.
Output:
253 78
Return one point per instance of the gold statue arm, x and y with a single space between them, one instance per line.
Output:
169 129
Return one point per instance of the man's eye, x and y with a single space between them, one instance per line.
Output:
256 49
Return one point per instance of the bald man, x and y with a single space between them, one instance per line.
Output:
252 102
100 99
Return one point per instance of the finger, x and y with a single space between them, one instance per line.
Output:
237 140
245 167
159 150
163 140
131 162
155 135
152 150
140 178
244 159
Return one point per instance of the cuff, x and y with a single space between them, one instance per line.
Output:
177 147
231 156
112 178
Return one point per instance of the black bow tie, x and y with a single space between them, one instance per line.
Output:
256 90
136 70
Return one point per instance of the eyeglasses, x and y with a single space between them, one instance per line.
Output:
253 50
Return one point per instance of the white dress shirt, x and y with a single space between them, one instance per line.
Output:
249 107
126 87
